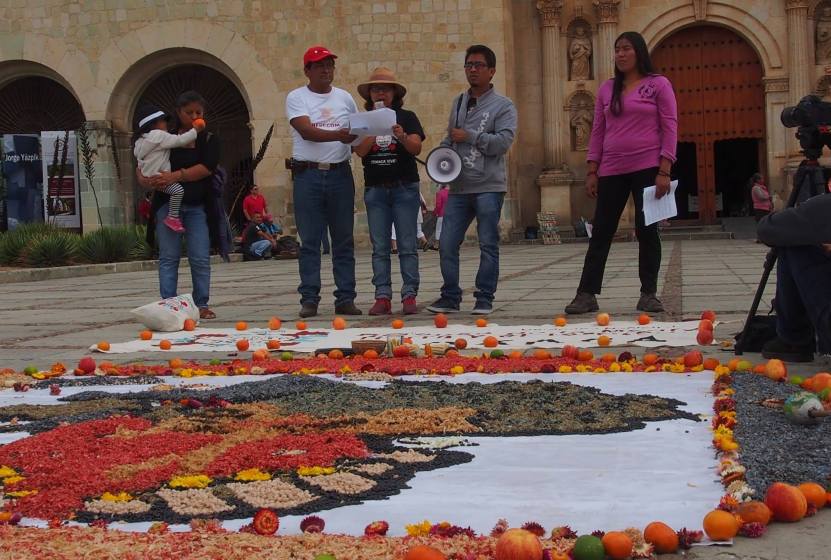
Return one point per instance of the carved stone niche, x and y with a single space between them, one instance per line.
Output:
822 17
580 120
580 50
823 88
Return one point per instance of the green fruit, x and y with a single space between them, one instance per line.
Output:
286 356
823 395
797 379
497 354
215 362
589 547
30 370
325 557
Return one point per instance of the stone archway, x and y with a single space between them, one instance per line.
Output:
34 99
717 77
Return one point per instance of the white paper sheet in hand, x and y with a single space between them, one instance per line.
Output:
657 209
372 123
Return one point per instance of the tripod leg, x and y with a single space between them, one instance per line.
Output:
770 262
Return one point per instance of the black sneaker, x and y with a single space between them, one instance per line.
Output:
650 303
482 307
778 348
443 305
308 310
583 302
347 309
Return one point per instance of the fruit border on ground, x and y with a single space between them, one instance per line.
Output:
739 513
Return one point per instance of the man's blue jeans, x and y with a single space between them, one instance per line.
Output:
459 212
321 199
384 206
803 301
198 243
259 247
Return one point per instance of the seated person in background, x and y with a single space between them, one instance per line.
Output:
270 227
257 243
802 236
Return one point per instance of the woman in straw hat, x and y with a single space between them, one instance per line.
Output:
392 193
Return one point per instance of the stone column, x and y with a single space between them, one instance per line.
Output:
800 57
555 180
607 18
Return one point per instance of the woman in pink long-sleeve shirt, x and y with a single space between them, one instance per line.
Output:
632 146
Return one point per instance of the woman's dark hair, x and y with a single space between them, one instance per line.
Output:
397 102
489 55
755 178
184 99
644 63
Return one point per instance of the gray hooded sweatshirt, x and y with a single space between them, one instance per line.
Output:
491 126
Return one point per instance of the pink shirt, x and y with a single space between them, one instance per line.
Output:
441 200
761 197
644 131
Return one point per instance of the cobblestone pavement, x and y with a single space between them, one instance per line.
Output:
55 320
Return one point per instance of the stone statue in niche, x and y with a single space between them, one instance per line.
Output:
580 54
823 41
581 126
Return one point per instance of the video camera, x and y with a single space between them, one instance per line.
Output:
813 117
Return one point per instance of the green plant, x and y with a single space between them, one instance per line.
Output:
13 243
88 154
107 245
141 250
55 248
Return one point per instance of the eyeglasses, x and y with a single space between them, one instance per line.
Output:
478 65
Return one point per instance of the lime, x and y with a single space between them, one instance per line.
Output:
215 362
286 356
29 370
589 547
325 557
797 379
497 354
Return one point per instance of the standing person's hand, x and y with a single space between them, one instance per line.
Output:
591 185
398 132
344 136
661 186
458 135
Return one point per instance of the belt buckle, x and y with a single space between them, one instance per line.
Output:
324 166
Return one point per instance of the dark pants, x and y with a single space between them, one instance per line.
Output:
759 214
803 300
325 198
612 194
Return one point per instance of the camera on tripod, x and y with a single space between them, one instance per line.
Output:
813 117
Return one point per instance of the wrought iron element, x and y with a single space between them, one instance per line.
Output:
32 104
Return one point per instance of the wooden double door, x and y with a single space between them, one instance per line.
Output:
717 77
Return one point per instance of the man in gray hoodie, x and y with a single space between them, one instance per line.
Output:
481 128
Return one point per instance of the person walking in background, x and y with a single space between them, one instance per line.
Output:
632 146
392 196
324 190
481 127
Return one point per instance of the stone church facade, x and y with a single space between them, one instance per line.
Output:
735 65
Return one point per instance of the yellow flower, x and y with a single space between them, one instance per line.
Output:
456 370
419 529
120 497
315 471
666 367
600 370
38 375
650 369
186 372
614 367
21 493
721 371
565 369
7 471
699 367
190 481
581 368
627 367
346 369
723 431
252 474
728 392
677 368
12 479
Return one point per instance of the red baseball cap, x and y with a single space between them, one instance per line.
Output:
316 54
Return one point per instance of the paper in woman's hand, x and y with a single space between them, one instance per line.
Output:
372 123
657 209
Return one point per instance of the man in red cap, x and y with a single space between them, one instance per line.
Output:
324 191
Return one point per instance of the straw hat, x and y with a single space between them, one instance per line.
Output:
381 75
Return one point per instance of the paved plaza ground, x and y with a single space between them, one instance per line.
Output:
55 320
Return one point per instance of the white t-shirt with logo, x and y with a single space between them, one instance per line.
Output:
327 111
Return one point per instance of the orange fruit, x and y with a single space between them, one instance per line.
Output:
338 323
662 537
644 319
273 344
259 355
176 363
370 354
705 325
618 545
603 340
242 325
461 343
711 363
242 345
560 322
733 364
300 325
397 324
146 335
721 525
608 358
451 353
481 322
490 341
424 552
584 355
440 320
165 344
103 345
650 359
402 351
335 354
189 325
542 354
754 512
199 123
603 319
821 381
275 323
814 493
515 355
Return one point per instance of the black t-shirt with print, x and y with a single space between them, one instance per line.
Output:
389 161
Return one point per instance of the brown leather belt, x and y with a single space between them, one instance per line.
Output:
298 165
